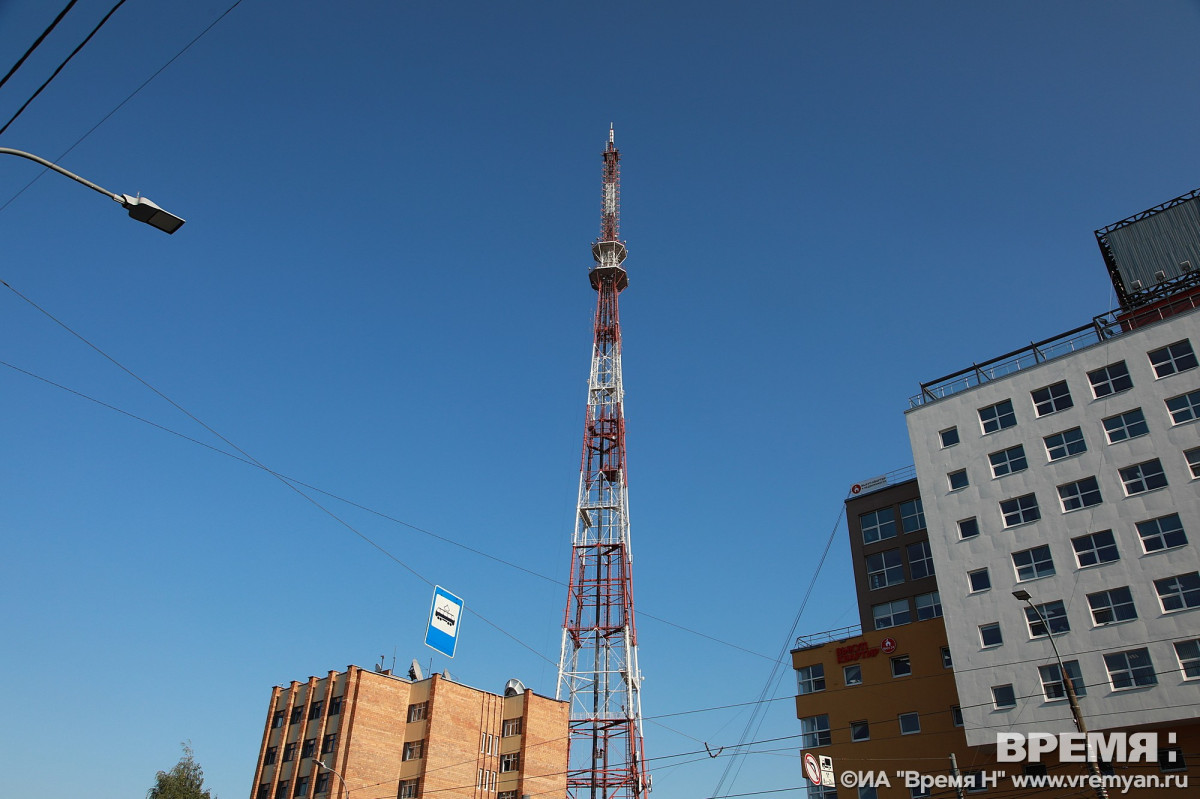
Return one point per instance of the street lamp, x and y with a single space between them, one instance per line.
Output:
346 787
1069 684
138 207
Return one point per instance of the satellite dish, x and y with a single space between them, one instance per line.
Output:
514 687
414 671
446 675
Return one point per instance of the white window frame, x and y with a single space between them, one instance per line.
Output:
1172 359
1180 592
1080 494
1064 445
884 569
1008 461
1124 426
972 581
991 625
1055 614
913 719
808 677
1040 563
1053 398
1137 478
1110 379
1184 408
1119 665
1159 534
1189 658
1006 688
814 731
1109 604
1095 549
1022 512
998 416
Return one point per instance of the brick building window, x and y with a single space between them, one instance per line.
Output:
297 714
281 790
328 743
511 727
417 712
301 787
271 755
310 747
277 720
314 710
289 752
408 789
413 750
510 762
264 790
335 705
322 785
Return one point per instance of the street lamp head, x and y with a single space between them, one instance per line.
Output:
1022 595
143 210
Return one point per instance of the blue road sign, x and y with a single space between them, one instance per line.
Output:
445 618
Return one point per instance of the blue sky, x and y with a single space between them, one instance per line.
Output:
381 290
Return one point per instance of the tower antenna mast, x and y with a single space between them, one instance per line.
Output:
598 671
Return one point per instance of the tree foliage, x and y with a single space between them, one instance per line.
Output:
185 780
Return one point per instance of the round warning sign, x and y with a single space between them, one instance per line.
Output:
811 769
888 645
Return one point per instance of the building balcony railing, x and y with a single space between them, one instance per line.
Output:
1103 327
828 636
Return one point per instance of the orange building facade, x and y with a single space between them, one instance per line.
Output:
375 735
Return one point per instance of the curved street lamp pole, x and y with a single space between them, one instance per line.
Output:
345 787
1069 684
139 208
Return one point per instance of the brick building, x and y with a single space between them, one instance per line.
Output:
375 735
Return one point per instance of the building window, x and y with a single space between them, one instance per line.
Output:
901 667
1007 461
1064 444
264 790
1111 606
949 437
408 789
929 606
968 528
920 560
852 675
1143 477
912 516
1080 494
270 756
814 732
1033 563
1112 379
1177 357
947 661
997 417
979 580
297 714
289 752
335 706
507 795
884 569
310 746
1055 614
821 792
510 762
910 723
868 792
956 715
1188 653
1170 758
301 787
1052 682
1165 532
918 792
891 614
513 726
860 731
958 479
810 678
281 789
1095 548
322 785
1052 398
314 710
417 712
878 525
1130 669
1185 407
413 750
1179 592
328 743
989 634
1130 424
1020 510
1192 456
277 720
1003 697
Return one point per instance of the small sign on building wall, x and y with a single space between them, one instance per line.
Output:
445 618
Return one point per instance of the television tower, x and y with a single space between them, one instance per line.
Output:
598 670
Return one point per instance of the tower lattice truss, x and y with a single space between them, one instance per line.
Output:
598 670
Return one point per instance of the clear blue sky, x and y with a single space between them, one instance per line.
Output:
381 290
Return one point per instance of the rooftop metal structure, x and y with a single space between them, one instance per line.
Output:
1106 326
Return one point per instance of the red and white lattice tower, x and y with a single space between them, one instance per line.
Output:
598 671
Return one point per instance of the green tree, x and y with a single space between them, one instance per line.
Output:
185 780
